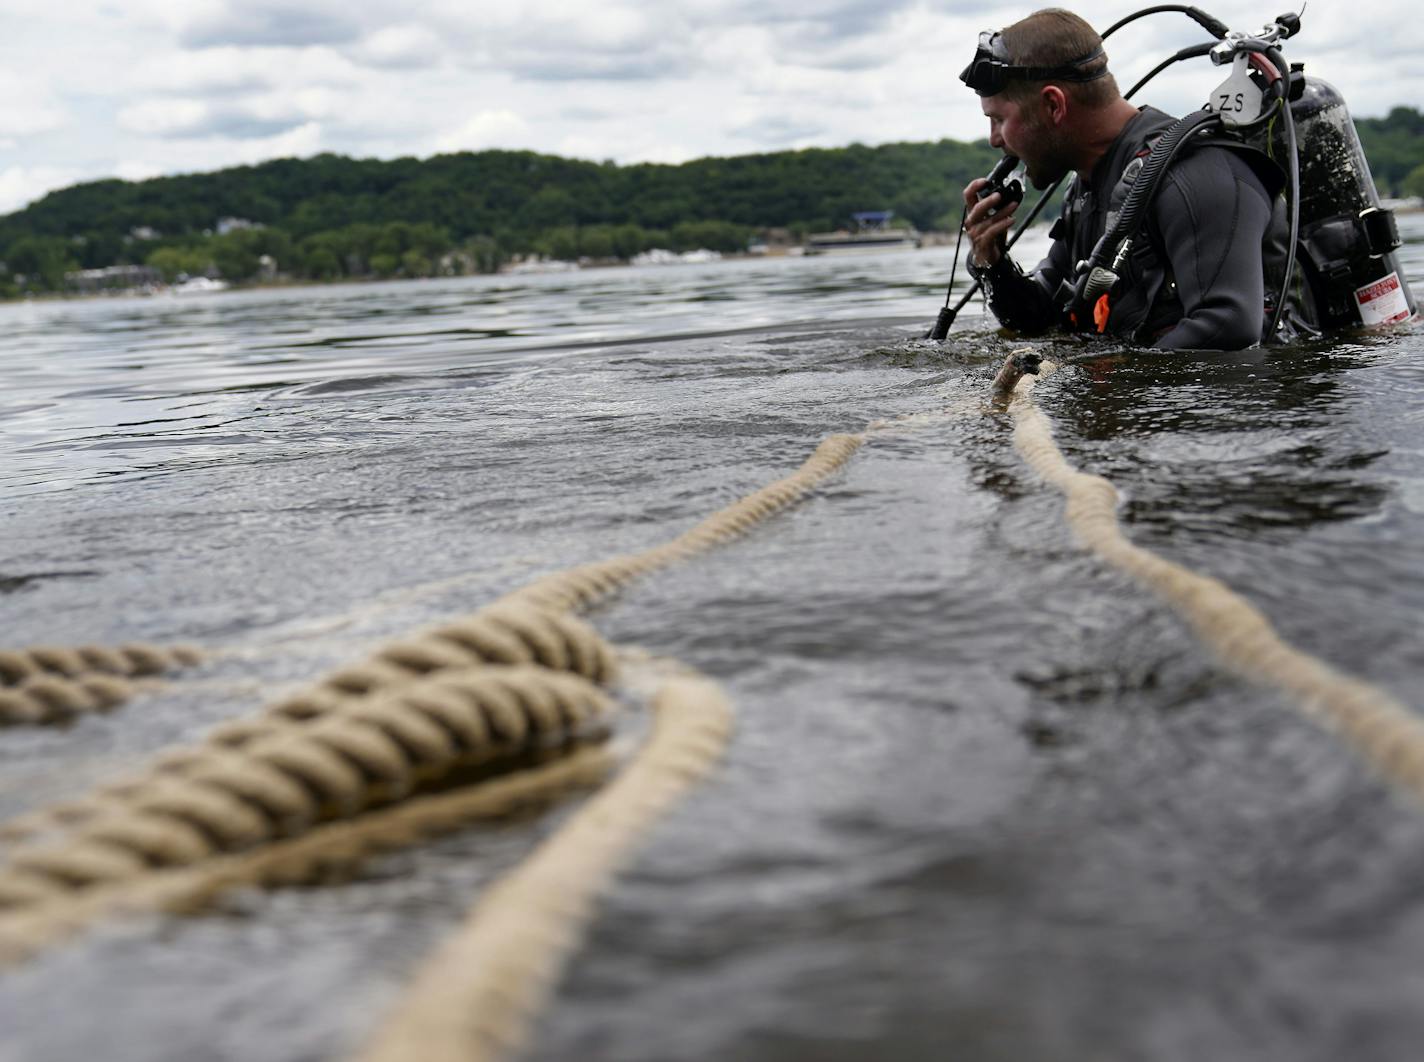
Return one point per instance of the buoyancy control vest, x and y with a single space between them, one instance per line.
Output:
1144 303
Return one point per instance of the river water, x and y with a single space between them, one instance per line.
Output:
987 800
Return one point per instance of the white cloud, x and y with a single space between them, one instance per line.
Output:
759 128
272 22
23 121
218 82
303 141
26 107
20 185
198 155
409 46
215 153
670 153
487 129
162 117
137 170
231 70
318 101
254 118
567 40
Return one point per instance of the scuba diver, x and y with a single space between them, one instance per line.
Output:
1174 233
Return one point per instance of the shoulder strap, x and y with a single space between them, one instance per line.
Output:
1270 173
1126 180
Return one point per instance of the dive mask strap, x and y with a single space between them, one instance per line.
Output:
992 70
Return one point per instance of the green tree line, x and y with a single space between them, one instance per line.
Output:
331 217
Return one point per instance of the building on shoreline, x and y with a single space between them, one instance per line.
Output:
872 232
118 278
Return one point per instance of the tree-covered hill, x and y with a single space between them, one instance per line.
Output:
332 217
518 192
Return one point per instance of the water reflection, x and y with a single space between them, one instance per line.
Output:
986 797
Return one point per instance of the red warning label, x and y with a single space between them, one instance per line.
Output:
1382 302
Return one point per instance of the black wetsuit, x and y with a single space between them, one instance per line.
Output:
1196 278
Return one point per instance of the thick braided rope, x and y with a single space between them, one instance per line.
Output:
17 665
280 785
1381 729
514 634
52 699
495 633
52 684
511 633
334 849
475 1000
216 798
581 587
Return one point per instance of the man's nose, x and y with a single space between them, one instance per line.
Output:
995 140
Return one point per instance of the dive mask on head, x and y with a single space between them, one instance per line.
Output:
992 69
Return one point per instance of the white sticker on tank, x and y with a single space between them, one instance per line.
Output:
1382 302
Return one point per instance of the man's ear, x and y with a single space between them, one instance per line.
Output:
1054 102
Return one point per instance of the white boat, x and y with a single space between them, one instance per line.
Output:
197 285
540 265
661 256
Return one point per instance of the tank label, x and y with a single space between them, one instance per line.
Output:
1382 302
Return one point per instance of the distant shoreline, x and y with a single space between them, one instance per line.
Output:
930 240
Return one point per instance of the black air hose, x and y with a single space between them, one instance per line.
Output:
1192 51
1279 62
1214 26
1135 206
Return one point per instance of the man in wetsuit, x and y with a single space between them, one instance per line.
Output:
1195 281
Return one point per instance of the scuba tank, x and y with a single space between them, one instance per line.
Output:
1347 241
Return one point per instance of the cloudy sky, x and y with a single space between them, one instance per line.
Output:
138 88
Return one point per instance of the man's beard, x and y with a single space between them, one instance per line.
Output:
1050 161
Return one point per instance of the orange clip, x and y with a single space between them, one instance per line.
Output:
1100 313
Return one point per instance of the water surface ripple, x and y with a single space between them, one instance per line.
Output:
986 800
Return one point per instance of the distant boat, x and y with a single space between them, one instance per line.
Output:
198 285
540 265
872 232
661 256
